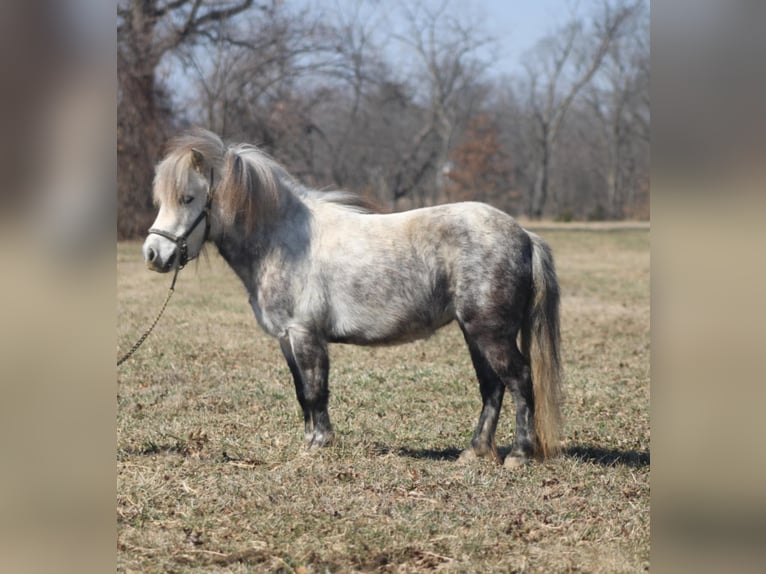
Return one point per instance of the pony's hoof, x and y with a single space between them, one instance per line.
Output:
467 456
514 462
320 440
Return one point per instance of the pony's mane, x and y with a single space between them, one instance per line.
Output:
347 200
249 185
254 185
173 171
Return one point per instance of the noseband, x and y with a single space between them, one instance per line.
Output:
180 240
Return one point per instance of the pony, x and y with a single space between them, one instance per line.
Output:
322 267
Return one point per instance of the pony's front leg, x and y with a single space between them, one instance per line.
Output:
309 364
284 344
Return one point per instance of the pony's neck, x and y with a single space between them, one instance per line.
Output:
288 228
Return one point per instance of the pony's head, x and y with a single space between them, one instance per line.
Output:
183 187
202 188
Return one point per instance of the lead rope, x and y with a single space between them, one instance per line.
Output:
143 337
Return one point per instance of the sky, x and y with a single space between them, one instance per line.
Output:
518 24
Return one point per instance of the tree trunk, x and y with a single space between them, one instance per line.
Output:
141 135
540 189
612 188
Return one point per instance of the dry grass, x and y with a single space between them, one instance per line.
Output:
210 475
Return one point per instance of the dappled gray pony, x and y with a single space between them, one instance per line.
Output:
321 268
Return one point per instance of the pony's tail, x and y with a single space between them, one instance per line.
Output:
541 341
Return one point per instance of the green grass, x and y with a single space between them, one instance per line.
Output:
211 475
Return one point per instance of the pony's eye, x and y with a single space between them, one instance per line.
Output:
187 199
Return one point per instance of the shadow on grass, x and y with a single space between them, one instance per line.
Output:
418 453
608 456
150 447
429 453
594 455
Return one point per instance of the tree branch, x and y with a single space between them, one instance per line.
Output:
169 7
195 24
222 14
611 29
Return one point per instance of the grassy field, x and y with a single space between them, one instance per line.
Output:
209 436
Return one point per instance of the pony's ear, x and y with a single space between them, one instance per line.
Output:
198 160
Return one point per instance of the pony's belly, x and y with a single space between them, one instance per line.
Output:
404 330
382 340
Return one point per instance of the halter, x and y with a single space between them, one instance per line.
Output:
180 240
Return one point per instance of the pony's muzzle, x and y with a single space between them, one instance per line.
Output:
157 258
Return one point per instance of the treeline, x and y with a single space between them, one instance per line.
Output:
404 109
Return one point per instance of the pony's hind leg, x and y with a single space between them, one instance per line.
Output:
309 364
520 384
500 364
492 390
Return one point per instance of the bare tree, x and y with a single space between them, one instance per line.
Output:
294 84
398 107
481 167
558 69
622 108
147 30
339 116
448 53
359 68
